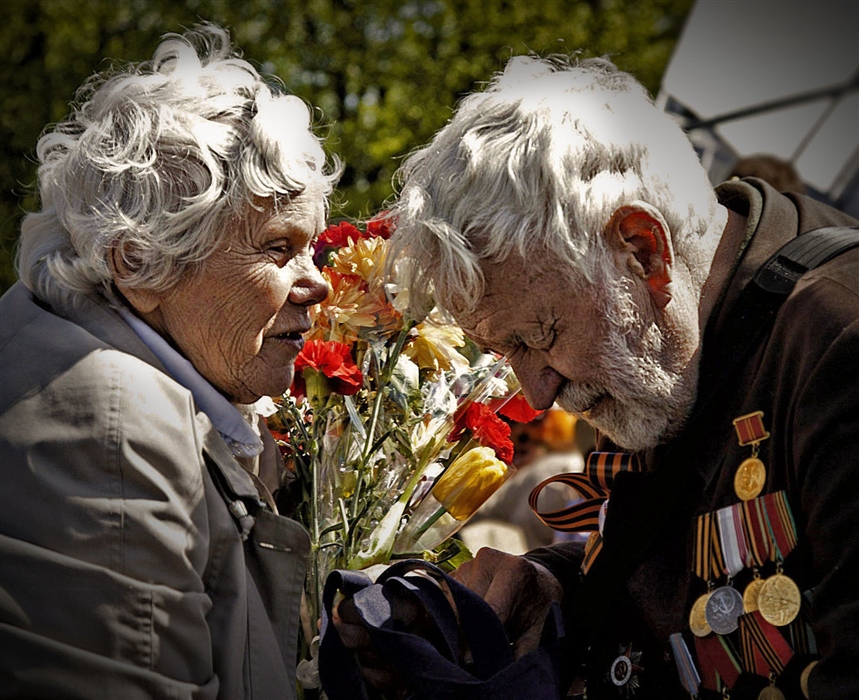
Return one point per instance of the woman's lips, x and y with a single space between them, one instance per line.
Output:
293 339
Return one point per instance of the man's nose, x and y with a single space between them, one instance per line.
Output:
541 384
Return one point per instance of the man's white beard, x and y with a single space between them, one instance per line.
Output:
649 393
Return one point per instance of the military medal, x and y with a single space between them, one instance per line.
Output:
750 478
719 665
803 678
779 598
757 549
707 560
690 679
698 618
723 609
751 593
624 671
751 475
725 604
771 693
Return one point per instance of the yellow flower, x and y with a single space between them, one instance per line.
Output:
347 310
366 258
434 346
469 481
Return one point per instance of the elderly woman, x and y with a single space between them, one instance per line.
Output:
165 286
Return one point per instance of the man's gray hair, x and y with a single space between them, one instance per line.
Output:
159 161
538 162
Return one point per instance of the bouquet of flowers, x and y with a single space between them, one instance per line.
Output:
391 425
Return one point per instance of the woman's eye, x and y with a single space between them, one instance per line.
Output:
279 251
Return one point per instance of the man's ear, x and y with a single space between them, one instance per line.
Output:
144 301
638 236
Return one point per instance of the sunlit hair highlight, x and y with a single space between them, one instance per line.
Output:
158 160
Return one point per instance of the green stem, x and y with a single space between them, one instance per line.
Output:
430 522
345 526
395 352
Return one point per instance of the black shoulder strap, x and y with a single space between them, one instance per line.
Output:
781 272
772 284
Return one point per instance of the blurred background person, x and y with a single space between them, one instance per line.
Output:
776 171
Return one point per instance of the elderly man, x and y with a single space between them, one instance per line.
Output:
564 221
165 284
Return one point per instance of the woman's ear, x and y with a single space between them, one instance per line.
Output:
144 301
638 236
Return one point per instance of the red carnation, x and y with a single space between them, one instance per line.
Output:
339 235
488 429
381 226
333 238
331 359
516 408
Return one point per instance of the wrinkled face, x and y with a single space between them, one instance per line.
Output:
607 355
239 320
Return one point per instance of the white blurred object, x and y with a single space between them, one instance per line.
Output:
496 534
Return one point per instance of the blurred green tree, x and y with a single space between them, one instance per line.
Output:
383 74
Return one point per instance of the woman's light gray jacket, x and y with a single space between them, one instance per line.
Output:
123 573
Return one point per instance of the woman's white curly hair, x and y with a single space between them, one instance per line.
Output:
158 161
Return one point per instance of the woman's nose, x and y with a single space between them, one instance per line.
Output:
310 286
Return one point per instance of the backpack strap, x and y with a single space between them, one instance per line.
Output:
782 271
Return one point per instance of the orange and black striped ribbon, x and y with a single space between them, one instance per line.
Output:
764 649
709 560
752 659
594 485
703 564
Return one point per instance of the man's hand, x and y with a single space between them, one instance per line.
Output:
378 672
520 592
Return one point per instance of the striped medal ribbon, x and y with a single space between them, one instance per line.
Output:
764 650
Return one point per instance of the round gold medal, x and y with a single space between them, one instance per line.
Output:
803 678
771 693
698 617
750 479
750 595
779 600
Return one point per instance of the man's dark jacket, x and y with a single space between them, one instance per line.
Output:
803 373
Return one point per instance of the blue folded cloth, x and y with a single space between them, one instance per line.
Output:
462 650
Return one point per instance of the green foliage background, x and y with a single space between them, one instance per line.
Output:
384 74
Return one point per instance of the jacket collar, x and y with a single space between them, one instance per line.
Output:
98 317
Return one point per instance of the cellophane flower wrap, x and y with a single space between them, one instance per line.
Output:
391 425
